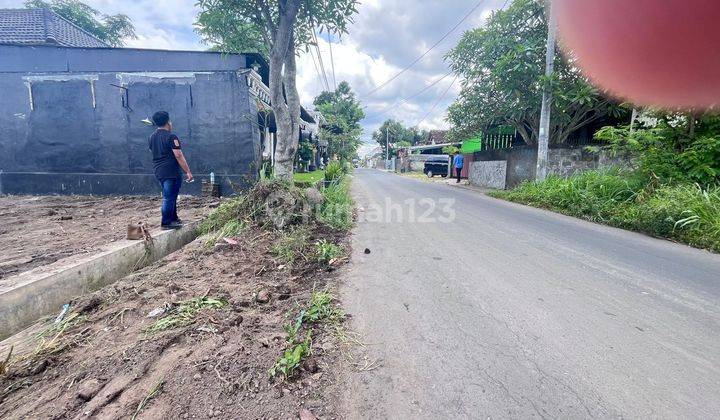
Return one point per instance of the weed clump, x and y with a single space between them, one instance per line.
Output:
319 309
326 251
291 246
184 313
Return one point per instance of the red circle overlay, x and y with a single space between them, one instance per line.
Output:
652 52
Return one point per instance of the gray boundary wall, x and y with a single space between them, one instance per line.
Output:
520 164
70 118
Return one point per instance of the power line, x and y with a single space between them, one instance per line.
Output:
437 103
405 100
317 70
332 62
428 51
322 65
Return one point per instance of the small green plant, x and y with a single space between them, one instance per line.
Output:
334 172
319 309
290 246
326 251
322 309
184 313
292 357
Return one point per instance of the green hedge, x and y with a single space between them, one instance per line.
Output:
682 212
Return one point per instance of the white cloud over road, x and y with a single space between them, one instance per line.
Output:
386 36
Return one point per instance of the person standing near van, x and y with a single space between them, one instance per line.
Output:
168 160
458 164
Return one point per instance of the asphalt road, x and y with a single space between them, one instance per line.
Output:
506 311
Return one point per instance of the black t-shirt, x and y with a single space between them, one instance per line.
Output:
162 143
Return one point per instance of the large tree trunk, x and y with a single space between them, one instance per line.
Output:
283 47
286 157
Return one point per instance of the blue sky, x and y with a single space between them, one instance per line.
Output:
385 36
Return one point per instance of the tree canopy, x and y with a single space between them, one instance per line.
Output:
278 29
400 136
343 113
111 29
251 25
501 66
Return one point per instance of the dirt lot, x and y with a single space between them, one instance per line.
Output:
40 230
101 361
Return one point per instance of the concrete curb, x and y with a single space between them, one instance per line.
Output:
44 290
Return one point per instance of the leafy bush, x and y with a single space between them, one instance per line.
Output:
334 172
684 212
680 149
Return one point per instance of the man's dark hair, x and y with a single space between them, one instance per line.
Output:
160 118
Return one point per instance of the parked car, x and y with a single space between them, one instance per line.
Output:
436 165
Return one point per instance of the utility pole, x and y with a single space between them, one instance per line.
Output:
387 146
544 134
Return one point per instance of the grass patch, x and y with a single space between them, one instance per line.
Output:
230 210
231 229
184 313
308 178
326 251
336 210
319 309
291 246
683 212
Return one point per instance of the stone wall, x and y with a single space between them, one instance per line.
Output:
489 174
520 164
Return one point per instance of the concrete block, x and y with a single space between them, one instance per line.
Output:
489 174
44 290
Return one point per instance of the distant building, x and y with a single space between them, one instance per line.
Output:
437 137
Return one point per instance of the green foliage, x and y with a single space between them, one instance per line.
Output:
111 29
342 113
400 136
305 152
679 149
290 246
291 358
450 150
501 66
336 210
251 26
629 200
334 171
230 210
326 251
184 313
319 309
308 179
322 309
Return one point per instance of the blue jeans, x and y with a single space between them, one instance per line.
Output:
170 191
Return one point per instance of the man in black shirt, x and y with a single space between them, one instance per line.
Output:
168 159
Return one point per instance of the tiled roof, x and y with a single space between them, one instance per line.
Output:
42 27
